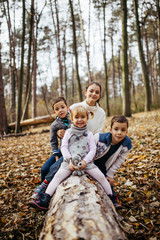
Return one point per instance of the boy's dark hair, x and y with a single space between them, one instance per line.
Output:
59 99
119 119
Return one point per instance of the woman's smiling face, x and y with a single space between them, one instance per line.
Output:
93 94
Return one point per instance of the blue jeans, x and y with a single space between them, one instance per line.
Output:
53 169
46 166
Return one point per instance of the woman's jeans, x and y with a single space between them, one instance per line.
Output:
46 166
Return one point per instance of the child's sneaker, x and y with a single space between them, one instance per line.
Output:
114 201
37 193
42 203
117 204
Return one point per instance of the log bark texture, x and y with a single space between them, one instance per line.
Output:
34 121
80 209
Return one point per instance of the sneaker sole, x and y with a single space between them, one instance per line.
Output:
35 205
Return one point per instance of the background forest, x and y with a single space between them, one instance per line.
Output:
50 48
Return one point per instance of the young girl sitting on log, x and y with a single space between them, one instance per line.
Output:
77 141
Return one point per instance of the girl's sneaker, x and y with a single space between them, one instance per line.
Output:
42 203
37 193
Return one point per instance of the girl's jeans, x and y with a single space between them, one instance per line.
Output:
46 166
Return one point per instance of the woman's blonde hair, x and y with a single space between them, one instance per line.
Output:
80 110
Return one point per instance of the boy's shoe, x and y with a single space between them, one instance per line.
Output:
114 201
42 203
117 204
37 193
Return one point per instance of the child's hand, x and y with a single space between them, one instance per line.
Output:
111 181
84 164
71 167
56 157
60 133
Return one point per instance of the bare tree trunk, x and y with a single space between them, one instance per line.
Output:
132 86
58 45
64 61
119 72
85 45
143 62
12 66
3 114
158 46
75 51
34 70
113 71
34 78
19 104
80 209
28 87
125 79
105 61
158 33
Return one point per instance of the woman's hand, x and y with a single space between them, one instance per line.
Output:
111 181
60 133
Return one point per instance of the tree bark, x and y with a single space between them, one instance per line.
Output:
28 87
3 114
33 121
80 209
105 61
143 62
85 44
125 79
56 25
19 104
12 64
75 51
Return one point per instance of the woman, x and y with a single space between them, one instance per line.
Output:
91 103
95 125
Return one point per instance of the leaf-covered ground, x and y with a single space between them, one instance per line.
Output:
137 182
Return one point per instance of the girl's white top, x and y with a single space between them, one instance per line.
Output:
97 123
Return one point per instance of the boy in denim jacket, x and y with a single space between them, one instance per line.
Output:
112 148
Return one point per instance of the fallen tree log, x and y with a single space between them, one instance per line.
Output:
33 121
80 209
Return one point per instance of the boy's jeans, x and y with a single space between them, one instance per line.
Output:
53 169
47 165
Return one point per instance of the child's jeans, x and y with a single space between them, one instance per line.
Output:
53 169
46 166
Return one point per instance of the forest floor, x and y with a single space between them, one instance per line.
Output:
137 181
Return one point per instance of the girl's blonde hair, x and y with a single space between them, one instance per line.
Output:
80 110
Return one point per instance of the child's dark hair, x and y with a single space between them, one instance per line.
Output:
119 119
96 83
59 99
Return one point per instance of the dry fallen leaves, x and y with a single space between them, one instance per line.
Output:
137 181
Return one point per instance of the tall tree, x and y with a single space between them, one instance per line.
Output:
105 60
125 79
3 114
36 20
12 61
75 51
85 44
20 85
29 81
101 5
56 25
142 59
158 33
